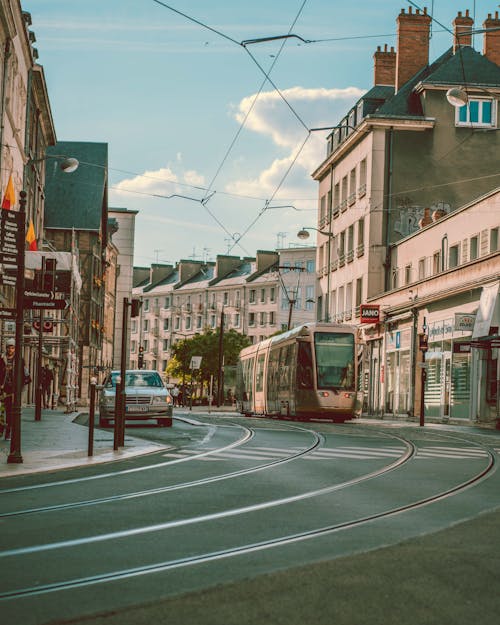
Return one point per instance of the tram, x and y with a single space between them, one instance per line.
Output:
308 372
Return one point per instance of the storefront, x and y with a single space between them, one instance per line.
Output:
398 370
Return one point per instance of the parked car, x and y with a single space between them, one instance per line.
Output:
146 397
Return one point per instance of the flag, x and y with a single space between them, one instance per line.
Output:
31 237
9 198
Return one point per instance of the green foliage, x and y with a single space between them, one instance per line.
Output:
205 345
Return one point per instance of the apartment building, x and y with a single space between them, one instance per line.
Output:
402 152
246 294
400 159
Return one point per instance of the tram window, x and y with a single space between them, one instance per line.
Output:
335 360
259 376
304 366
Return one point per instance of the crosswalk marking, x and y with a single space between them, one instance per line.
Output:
330 453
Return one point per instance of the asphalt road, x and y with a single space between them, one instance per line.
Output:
257 521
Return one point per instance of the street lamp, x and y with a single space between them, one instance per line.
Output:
304 234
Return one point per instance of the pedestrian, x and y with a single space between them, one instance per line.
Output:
7 383
47 378
175 394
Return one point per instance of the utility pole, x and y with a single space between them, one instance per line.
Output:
220 375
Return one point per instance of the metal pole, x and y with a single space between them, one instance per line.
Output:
422 396
123 367
116 432
38 389
221 359
15 456
93 382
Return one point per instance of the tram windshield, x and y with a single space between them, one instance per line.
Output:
334 360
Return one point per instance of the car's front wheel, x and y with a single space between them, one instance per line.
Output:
165 422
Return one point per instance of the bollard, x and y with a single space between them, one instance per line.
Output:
118 393
93 382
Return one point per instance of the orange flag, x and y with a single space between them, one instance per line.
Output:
9 198
31 237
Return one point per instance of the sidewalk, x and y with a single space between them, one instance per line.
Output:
59 441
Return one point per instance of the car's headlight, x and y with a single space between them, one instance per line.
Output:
158 399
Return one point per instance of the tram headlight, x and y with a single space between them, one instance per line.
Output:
324 394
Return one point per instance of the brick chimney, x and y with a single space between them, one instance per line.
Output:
384 66
462 25
491 45
413 44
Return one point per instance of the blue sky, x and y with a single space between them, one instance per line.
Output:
170 96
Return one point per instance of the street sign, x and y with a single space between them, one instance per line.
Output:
36 304
195 362
7 280
7 313
7 258
370 313
41 295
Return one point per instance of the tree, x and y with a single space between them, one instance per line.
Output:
205 345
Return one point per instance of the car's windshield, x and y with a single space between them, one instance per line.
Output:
138 378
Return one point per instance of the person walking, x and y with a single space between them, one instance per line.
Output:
175 395
46 379
7 383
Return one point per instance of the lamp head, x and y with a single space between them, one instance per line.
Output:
303 234
69 165
457 96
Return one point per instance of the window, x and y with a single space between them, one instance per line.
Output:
359 293
299 264
286 265
494 240
336 200
167 302
236 322
477 112
284 299
310 266
310 297
350 243
226 298
421 269
343 203
133 329
188 323
473 249
212 321
352 187
272 319
453 256
251 319
361 236
362 178
166 324
146 305
408 274
263 295
145 325
262 318
348 300
298 298
165 345
251 296
133 346
145 345
272 294
199 322
436 263
177 323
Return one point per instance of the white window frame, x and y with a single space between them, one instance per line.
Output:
479 123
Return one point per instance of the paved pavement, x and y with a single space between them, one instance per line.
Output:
60 441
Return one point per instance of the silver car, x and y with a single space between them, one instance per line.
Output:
146 397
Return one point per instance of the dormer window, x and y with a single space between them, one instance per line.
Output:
477 112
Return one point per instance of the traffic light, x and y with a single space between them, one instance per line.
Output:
140 361
135 307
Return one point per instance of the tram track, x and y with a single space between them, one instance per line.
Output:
318 440
240 550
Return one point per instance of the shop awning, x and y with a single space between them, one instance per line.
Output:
484 315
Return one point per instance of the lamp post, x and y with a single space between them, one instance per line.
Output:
303 234
423 345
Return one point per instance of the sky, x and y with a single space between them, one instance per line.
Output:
210 139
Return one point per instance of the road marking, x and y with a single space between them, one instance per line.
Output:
457 453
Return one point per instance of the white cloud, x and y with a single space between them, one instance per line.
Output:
271 117
194 178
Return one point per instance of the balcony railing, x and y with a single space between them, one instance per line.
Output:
361 190
360 250
351 199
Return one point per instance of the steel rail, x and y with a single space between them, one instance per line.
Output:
173 487
245 549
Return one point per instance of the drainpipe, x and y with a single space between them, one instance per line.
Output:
2 95
388 209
